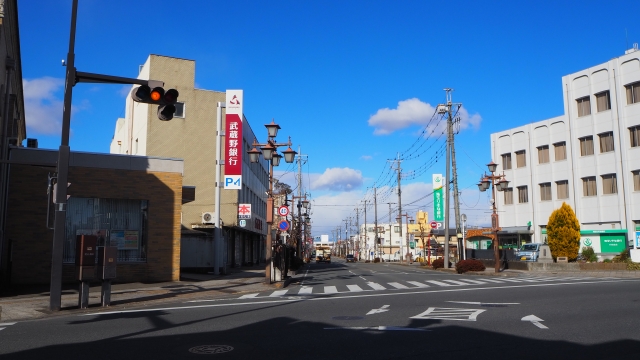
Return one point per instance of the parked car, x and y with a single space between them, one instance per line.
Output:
528 252
350 258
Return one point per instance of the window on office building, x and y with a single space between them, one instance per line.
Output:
589 186
606 142
584 106
634 132
602 101
506 161
508 196
523 195
560 150
633 93
586 146
543 154
521 160
545 191
609 184
562 189
179 113
636 180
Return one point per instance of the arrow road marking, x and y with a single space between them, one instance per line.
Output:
481 303
377 311
379 328
449 314
535 321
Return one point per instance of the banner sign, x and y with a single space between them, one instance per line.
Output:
233 144
244 211
438 198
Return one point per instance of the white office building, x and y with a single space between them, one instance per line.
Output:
589 158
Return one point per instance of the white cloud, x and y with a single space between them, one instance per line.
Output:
412 112
338 179
43 110
366 157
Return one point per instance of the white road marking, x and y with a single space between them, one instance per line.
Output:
248 296
455 282
7 323
354 288
534 320
378 311
450 314
439 283
481 303
398 285
493 281
305 290
418 284
278 293
376 286
330 290
473 281
358 296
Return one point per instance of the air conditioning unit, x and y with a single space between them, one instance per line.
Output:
208 217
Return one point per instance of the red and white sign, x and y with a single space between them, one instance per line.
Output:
233 140
283 211
434 225
244 211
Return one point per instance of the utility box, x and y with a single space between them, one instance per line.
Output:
107 256
86 257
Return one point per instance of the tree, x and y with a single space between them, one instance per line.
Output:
563 233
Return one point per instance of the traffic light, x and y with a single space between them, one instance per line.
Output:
157 96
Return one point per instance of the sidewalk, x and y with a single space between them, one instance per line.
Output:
30 302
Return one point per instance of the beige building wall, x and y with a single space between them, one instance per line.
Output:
192 138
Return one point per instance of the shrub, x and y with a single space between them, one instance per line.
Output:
563 232
376 260
623 257
439 263
463 266
589 254
606 260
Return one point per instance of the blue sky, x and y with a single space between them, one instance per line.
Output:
354 83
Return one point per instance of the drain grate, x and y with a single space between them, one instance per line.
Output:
347 318
211 349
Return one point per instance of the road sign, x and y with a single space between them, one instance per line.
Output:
243 223
433 224
283 225
283 210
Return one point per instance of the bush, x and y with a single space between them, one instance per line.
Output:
563 233
589 254
439 263
376 260
606 261
463 266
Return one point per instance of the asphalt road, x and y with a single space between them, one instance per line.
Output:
360 311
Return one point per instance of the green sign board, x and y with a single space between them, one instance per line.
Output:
438 198
612 243
412 244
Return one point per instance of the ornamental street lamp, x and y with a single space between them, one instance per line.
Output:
499 183
269 152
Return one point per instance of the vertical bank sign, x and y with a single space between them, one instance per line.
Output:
438 198
233 145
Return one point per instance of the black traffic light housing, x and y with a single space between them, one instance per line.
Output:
157 96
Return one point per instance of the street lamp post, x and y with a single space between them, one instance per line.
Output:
499 183
269 153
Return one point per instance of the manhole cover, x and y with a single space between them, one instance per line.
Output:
347 318
211 349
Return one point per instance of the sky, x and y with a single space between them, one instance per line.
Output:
355 84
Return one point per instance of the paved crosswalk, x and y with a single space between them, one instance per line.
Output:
407 285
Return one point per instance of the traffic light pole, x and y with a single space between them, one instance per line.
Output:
59 230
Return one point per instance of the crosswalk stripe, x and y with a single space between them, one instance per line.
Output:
278 293
493 281
398 285
376 286
354 288
455 282
330 290
417 283
435 282
473 281
7 323
248 296
305 290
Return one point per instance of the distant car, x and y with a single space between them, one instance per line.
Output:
528 252
350 258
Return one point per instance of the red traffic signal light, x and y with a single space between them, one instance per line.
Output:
157 96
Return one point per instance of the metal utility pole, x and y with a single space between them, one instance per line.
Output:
357 233
299 244
366 242
456 200
399 171
390 230
375 214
